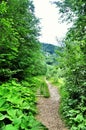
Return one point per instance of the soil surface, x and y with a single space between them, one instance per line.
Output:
48 110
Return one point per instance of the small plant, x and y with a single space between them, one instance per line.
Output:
44 90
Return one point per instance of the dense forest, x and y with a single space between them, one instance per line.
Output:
24 62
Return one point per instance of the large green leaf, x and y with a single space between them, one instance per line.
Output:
12 113
2 101
2 116
10 127
15 99
79 118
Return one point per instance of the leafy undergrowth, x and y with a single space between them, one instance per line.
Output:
18 106
73 110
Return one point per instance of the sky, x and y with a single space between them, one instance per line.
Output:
51 28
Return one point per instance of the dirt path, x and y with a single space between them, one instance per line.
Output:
48 110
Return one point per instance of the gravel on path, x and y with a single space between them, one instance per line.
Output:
48 110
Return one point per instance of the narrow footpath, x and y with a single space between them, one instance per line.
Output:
48 110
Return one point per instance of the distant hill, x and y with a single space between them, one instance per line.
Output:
49 52
49 48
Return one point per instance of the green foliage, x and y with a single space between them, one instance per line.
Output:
20 52
54 74
71 9
8 43
41 86
44 90
17 107
72 62
20 61
72 108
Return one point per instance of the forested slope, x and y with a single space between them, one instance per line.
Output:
49 48
49 51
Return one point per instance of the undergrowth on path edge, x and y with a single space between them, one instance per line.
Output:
18 106
44 90
72 111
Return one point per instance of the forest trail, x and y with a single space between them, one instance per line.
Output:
48 110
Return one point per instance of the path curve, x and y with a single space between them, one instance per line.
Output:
48 110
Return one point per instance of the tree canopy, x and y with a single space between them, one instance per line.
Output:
19 46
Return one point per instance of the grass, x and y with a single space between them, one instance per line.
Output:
59 82
44 90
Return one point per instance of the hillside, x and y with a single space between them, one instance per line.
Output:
46 47
49 51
